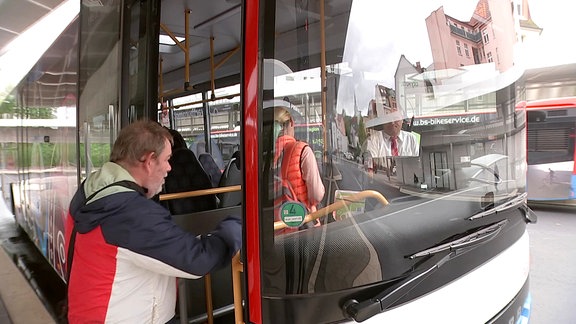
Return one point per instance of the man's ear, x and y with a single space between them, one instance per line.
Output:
147 160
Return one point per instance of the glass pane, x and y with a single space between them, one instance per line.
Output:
140 61
407 115
189 121
99 82
38 165
225 124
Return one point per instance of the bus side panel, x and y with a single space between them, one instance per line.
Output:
45 140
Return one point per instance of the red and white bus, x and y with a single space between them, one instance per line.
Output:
440 238
551 150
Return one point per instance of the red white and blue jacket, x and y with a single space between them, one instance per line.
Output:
128 252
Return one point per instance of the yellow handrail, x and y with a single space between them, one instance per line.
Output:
337 205
237 269
209 303
197 193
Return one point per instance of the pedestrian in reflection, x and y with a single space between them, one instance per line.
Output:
296 163
125 251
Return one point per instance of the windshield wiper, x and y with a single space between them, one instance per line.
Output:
361 311
483 235
514 202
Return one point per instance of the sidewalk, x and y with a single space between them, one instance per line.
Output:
4 317
21 304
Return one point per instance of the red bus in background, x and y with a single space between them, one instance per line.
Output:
551 150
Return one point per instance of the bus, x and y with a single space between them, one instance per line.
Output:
438 235
551 150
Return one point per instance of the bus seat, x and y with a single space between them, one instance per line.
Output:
198 146
211 168
231 176
187 174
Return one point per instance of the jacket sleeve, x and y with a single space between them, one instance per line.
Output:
146 228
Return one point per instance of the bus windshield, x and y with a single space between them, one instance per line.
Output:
416 137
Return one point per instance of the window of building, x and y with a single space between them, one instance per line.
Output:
458 49
489 57
485 36
466 50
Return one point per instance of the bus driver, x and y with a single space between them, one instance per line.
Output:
390 139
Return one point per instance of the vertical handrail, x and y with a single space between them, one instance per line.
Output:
88 166
237 269
187 13
182 301
209 304
112 124
324 87
212 83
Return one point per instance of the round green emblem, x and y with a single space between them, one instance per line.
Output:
292 213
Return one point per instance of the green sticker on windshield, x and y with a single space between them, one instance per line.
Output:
292 213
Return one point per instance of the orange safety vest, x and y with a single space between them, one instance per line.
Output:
293 186
291 169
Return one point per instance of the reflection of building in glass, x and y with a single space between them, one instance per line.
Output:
488 37
463 102
427 92
467 55
340 140
527 28
410 87
383 108
456 43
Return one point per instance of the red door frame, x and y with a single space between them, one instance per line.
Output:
250 127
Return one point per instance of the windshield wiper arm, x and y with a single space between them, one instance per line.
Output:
483 235
514 202
361 311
